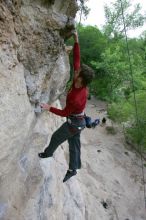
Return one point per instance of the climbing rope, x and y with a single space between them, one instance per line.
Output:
135 102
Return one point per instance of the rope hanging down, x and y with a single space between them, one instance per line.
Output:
135 102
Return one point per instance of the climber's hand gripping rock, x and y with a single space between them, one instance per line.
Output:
45 106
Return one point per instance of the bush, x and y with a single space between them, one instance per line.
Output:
135 115
120 112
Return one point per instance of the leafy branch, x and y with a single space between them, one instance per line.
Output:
83 9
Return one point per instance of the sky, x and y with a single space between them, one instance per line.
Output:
96 15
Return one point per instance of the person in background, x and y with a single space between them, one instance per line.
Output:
74 112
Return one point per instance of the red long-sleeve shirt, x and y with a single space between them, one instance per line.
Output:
76 97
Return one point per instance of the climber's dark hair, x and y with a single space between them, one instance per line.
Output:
87 74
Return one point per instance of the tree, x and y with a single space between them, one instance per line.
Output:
92 43
114 26
112 72
84 10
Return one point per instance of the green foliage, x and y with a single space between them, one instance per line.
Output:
98 88
133 112
133 18
121 111
92 43
112 71
140 104
136 134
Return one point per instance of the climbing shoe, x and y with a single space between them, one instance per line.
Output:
69 174
44 155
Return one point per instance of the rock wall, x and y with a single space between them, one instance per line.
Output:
34 68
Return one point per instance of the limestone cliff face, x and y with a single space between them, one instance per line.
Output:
34 68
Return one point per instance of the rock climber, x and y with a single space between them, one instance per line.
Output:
74 112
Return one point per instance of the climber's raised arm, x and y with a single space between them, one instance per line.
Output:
76 55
